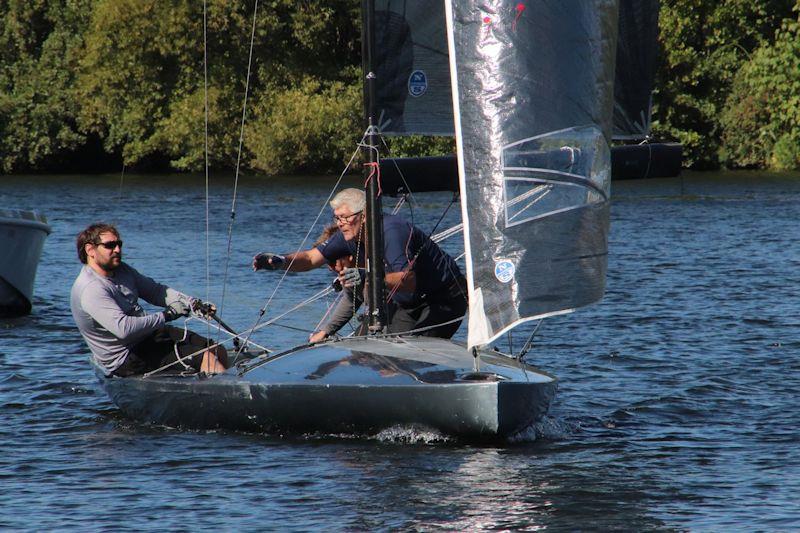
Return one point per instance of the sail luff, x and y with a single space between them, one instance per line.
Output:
475 312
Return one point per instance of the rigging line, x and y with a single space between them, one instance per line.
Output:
121 180
397 167
419 330
408 194
330 308
263 310
201 350
238 159
538 189
529 204
287 326
229 334
449 232
241 335
321 294
205 137
399 204
529 343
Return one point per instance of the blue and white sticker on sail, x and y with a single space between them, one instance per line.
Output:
504 270
417 83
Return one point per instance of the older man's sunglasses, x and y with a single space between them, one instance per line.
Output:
346 219
110 245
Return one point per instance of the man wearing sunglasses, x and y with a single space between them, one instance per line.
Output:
125 340
425 286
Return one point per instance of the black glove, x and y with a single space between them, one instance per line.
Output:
353 277
175 310
203 309
268 261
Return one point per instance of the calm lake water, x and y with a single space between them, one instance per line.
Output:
677 407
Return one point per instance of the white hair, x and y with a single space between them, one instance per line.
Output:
355 199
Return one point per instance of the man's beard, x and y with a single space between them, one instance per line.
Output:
113 262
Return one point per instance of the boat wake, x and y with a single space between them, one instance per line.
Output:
548 428
411 435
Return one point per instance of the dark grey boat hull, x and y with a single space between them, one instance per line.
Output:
22 236
353 386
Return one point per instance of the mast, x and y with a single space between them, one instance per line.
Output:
376 295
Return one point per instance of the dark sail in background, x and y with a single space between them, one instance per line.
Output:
414 74
412 68
637 46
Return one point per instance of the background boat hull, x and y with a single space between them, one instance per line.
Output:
22 236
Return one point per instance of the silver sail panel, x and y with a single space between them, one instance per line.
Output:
637 46
412 68
533 97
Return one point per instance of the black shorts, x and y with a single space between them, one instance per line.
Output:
158 350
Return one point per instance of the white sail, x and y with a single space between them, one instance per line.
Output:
532 86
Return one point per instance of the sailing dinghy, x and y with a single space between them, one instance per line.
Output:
530 91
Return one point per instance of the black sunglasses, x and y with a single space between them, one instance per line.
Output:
109 245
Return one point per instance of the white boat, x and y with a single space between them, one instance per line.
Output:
530 98
22 236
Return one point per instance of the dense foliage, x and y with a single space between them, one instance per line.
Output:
102 83
704 46
761 121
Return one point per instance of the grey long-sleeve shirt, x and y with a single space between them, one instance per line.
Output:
108 315
343 312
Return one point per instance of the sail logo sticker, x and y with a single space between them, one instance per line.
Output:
504 270
417 83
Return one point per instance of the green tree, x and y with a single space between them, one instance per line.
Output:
141 79
762 116
703 45
39 44
311 128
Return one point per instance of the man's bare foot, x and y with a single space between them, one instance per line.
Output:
211 364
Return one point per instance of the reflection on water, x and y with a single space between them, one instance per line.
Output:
677 395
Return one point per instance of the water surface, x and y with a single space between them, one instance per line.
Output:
676 408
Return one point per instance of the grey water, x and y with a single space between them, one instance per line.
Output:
677 406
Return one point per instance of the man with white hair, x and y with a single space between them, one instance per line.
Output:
426 289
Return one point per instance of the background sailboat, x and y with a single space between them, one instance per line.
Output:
414 94
22 236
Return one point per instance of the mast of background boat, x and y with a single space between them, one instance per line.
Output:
376 296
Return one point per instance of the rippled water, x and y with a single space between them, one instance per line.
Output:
677 406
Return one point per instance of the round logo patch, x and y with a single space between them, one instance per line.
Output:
504 270
417 83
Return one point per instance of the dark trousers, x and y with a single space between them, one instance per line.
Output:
158 350
444 306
